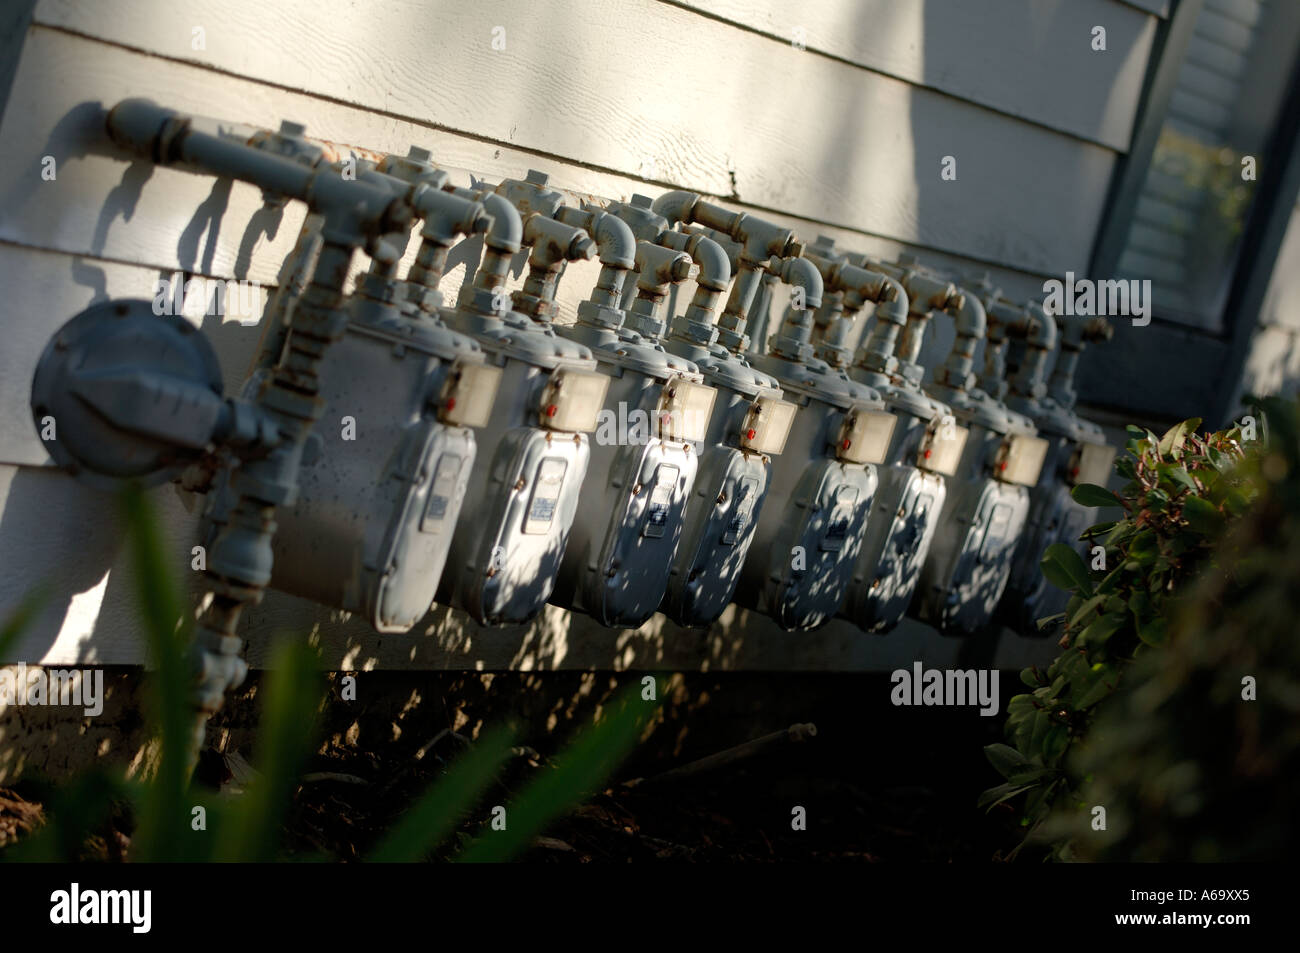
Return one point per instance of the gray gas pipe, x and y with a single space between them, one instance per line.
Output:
748 425
925 444
1077 453
821 485
381 492
656 409
988 499
166 360
524 490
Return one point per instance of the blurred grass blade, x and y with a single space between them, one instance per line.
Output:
286 740
434 816
580 769
165 813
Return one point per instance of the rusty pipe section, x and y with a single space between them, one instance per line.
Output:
713 265
970 322
501 242
794 342
658 267
1038 330
354 213
698 323
447 213
1000 314
553 243
616 250
848 289
1075 336
759 240
927 295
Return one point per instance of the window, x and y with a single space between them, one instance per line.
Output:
1190 213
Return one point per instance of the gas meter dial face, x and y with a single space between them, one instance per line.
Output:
684 410
865 435
572 401
1091 464
1021 460
943 447
767 425
470 391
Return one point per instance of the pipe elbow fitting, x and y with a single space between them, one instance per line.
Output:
715 266
506 233
659 266
448 216
554 242
970 319
892 303
802 273
1041 330
676 206
137 124
615 243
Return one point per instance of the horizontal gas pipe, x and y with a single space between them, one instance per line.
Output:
760 241
354 213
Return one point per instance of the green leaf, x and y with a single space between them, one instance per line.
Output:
996 795
167 629
1203 516
1084 609
285 741
1144 546
1179 476
1089 494
1153 631
1062 562
578 771
434 816
1101 629
1172 442
1097 690
1007 761
1049 620
1055 742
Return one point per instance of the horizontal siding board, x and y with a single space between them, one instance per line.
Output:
820 139
1054 77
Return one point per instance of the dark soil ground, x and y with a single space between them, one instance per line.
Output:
877 782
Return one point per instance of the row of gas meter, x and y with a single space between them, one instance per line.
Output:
808 473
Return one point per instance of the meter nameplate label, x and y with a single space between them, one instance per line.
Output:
740 511
661 501
547 485
442 492
837 526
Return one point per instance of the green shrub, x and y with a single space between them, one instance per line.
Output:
1181 490
1197 757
